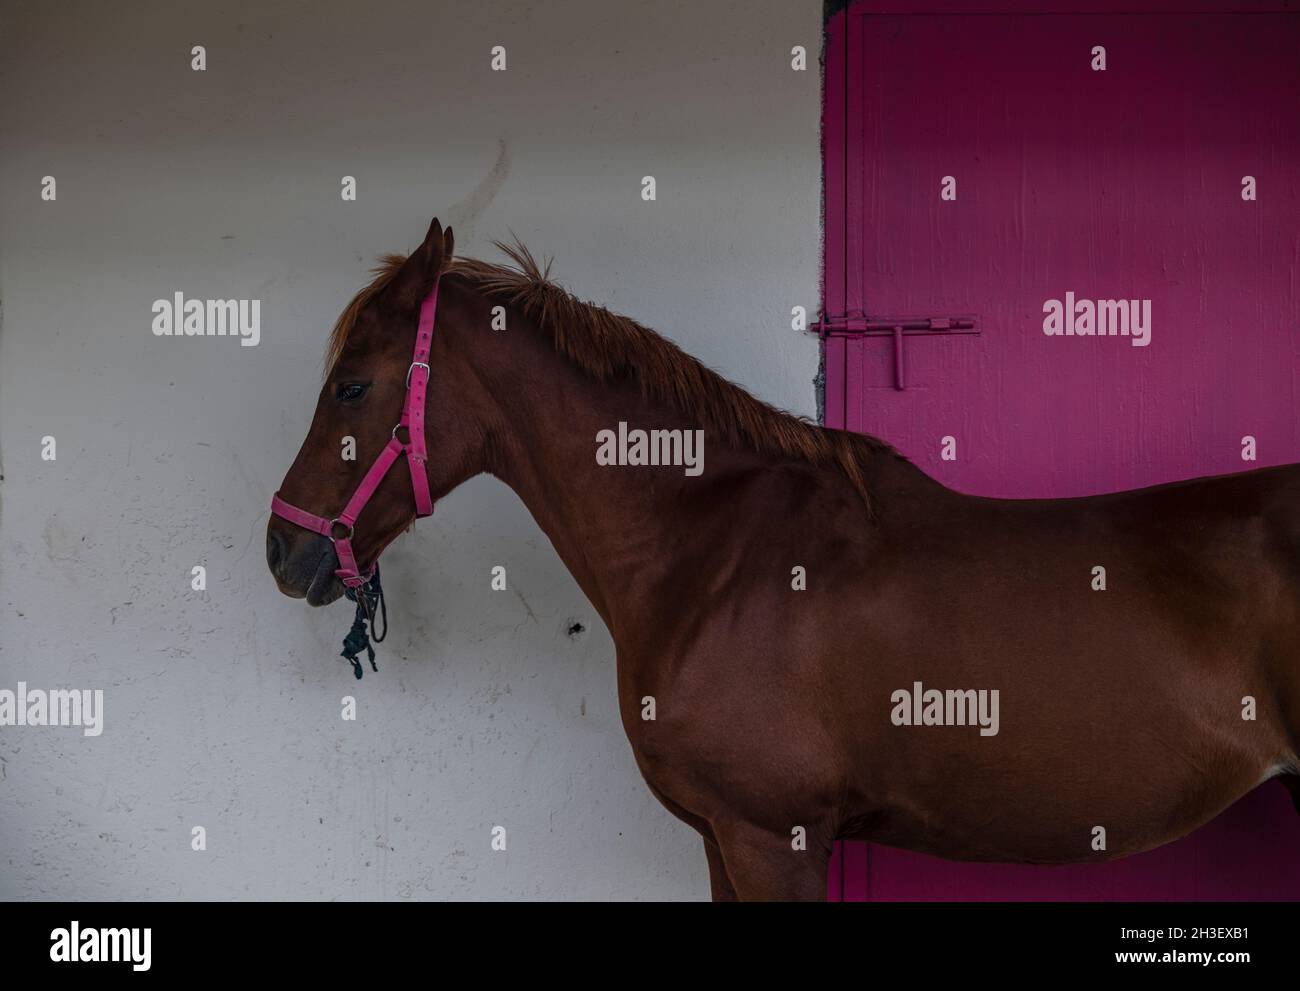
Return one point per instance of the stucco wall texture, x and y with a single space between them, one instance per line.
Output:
222 708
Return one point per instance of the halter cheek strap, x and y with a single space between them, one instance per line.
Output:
417 385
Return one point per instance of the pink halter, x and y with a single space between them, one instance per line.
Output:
417 382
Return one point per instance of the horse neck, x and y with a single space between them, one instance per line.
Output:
619 529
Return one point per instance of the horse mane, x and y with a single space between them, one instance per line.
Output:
610 347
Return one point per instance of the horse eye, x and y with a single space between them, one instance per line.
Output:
350 392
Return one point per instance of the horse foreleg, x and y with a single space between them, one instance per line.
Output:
766 866
719 883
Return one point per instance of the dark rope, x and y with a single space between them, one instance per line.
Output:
367 597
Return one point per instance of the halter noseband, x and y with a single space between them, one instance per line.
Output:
364 588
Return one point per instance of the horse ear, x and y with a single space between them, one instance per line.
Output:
415 279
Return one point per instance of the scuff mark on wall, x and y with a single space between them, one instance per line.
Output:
527 607
465 214
61 543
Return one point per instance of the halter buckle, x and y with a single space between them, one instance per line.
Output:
414 366
338 522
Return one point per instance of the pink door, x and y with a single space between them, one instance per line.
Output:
982 165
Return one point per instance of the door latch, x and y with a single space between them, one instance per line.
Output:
857 324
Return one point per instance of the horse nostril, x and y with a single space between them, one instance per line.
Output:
274 549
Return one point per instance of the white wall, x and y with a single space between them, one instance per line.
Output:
222 708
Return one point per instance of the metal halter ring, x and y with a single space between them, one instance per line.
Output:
414 366
338 522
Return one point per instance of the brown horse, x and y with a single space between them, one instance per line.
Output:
815 640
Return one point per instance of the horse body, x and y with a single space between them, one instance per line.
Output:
760 713
1120 708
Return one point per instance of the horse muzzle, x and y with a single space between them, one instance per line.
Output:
303 567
